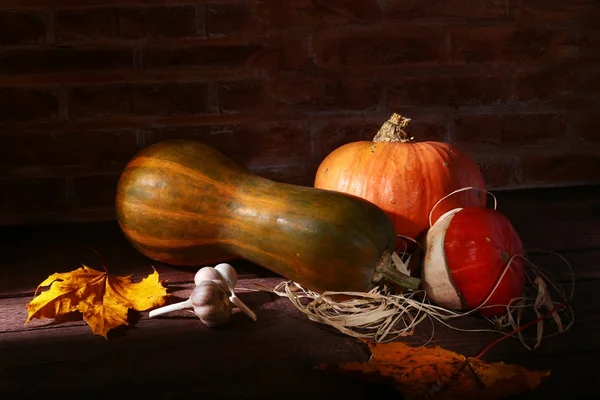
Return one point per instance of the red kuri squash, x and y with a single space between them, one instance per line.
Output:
403 177
467 251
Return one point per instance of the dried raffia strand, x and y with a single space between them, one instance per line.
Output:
558 310
372 315
381 316
455 192
519 330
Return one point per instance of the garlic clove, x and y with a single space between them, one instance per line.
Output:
211 303
213 297
206 274
215 315
228 273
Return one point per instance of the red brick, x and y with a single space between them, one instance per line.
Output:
497 172
51 149
325 94
295 53
299 94
543 44
427 128
83 3
154 22
546 83
334 134
509 129
95 191
589 127
486 44
375 48
567 168
589 41
260 140
454 10
566 84
327 13
200 54
26 104
51 60
478 44
33 196
160 99
481 129
236 19
559 12
531 129
448 90
21 27
300 174
243 96
589 84
201 133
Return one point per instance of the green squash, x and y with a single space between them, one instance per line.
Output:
183 203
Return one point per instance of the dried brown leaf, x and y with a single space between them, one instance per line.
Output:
103 300
436 373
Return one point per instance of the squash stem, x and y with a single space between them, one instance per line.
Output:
393 130
386 271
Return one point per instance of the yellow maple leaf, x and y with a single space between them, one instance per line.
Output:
103 300
437 373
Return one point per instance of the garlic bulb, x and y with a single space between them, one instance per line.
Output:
213 297
206 274
228 273
209 300
230 276
211 303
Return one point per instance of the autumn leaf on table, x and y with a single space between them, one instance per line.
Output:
103 300
436 373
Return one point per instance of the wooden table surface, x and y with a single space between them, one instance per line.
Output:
176 357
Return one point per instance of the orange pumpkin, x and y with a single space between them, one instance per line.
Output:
403 177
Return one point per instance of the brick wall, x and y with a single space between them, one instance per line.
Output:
277 85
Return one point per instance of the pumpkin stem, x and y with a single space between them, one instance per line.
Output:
385 271
392 130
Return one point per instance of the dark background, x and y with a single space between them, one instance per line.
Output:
277 85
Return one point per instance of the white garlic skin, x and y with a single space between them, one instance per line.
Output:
210 300
228 273
206 274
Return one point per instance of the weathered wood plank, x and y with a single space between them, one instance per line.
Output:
177 355
13 310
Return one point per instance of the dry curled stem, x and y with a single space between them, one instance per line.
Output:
394 130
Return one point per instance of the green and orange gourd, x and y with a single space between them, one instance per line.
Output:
184 203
